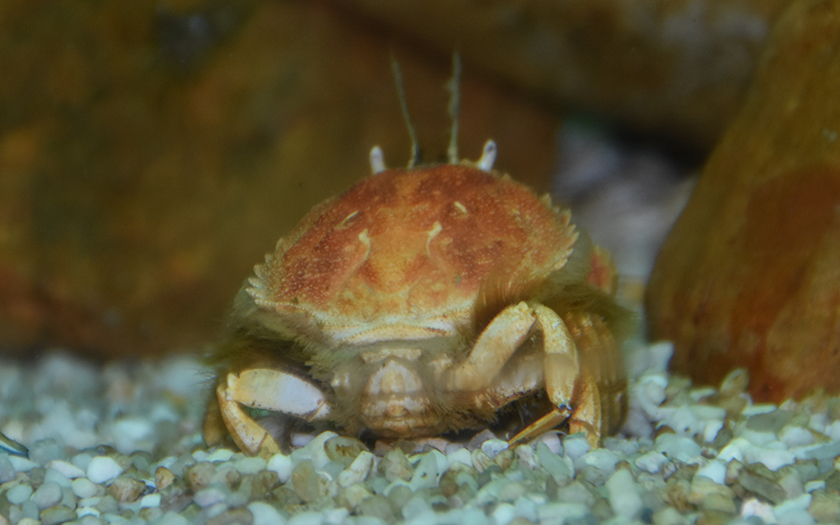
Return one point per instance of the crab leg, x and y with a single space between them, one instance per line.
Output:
273 390
561 368
494 347
587 415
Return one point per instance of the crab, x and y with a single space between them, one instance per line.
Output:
419 302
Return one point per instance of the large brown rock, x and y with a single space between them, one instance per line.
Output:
151 153
750 274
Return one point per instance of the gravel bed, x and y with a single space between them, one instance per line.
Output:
121 444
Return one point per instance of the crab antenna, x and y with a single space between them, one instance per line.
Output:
454 87
415 146
488 156
377 160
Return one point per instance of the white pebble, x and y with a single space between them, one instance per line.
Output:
759 408
282 465
560 468
504 513
713 427
17 495
833 430
247 466
81 512
335 516
793 436
357 471
84 488
772 458
103 469
58 478
306 518
317 451
734 450
70 470
173 518
755 507
415 508
47 495
602 459
22 464
209 496
492 447
801 502
526 508
426 474
265 514
576 445
651 461
222 454
462 455
714 470
795 517
624 494
828 449
811 486
550 512
552 441
678 448
760 438
150 501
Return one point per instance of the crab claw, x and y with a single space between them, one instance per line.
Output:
273 390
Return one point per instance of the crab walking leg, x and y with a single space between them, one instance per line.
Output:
494 347
561 368
273 390
587 415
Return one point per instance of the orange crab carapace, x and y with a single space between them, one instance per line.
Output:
423 301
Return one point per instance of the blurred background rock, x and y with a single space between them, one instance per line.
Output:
152 152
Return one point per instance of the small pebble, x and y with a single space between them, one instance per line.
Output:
209 496
651 461
103 469
492 447
222 454
18 494
84 488
21 464
69 470
555 465
576 445
357 471
282 465
150 501
264 514
7 471
624 494
47 495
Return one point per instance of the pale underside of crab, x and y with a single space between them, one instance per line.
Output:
424 301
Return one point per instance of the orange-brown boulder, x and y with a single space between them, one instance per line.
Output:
151 153
750 274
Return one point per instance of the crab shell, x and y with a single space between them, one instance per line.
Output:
391 285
